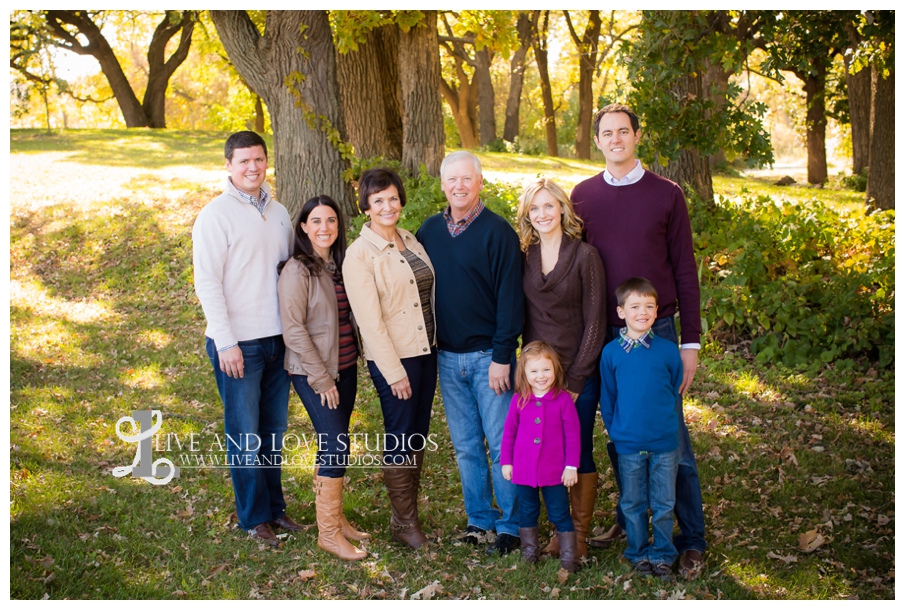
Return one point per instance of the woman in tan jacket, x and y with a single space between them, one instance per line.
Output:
321 358
390 281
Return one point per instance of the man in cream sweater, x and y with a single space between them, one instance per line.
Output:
238 240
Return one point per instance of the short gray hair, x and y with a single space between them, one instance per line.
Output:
458 156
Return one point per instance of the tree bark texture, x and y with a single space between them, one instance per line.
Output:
462 100
423 137
587 46
362 99
282 60
386 52
815 88
525 29
486 97
152 111
881 180
716 84
540 57
859 102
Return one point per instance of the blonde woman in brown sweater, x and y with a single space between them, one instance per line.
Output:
565 306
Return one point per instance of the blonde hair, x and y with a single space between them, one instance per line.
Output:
537 349
571 223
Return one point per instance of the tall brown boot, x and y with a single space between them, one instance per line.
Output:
567 558
582 496
329 504
528 538
348 531
403 500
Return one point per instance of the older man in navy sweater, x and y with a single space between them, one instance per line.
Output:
638 221
480 305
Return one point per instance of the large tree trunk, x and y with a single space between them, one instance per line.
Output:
293 68
486 97
540 57
716 84
881 181
386 52
814 88
587 46
363 110
152 111
525 29
462 102
859 85
419 74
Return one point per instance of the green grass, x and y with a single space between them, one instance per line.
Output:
103 320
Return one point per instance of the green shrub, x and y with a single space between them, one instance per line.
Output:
856 182
804 282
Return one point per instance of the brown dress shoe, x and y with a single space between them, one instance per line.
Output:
606 539
284 522
263 533
691 563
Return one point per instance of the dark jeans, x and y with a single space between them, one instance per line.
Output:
331 425
556 497
407 422
586 405
255 416
689 509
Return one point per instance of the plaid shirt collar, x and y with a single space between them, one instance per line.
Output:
628 344
457 228
260 202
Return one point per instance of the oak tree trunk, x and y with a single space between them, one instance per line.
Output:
362 101
462 100
386 55
881 177
525 29
859 86
422 113
716 85
540 57
486 97
295 74
814 88
587 46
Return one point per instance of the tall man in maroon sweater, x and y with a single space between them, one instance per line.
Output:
638 221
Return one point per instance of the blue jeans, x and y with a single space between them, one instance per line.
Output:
474 413
407 422
556 497
331 425
255 416
689 503
649 480
587 405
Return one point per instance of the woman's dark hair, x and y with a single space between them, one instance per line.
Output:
375 180
303 251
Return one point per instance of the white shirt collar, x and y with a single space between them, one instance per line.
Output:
630 178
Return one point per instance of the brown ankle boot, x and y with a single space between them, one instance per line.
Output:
404 503
582 496
329 505
567 557
528 538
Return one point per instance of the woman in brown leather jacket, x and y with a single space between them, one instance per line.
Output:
321 357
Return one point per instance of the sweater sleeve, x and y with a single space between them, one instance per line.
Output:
571 430
681 256
510 312
210 249
510 429
607 390
293 290
593 311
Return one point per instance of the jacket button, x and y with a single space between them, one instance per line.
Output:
411 281
420 328
416 304
537 404
424 349
537 420
537 441
392 245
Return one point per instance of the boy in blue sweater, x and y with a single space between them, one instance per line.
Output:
640 377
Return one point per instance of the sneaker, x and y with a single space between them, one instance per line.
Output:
663 572
643 567
505 544
472 535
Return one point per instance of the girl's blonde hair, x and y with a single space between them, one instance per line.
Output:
571 224
537 349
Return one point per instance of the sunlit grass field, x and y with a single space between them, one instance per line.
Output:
797 467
